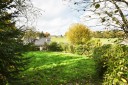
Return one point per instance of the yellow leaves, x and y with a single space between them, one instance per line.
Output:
124 80
78 34
116 80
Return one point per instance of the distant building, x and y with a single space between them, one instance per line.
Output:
42 42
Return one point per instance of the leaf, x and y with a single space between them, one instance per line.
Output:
117 22
115 80
103 20
97 6
113 18
123 80
116 11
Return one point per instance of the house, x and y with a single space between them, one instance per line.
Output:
41 43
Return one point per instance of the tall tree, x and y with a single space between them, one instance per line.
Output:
11 45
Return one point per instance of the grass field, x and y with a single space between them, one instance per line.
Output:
65 40
59 39
55 68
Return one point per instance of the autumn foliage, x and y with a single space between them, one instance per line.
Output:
78 34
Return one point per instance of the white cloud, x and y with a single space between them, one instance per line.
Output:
94 22
57 16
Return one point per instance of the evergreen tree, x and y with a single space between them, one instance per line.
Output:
11 45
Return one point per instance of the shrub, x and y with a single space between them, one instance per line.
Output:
64 46
112 61
54 46
97 55
31 47
79 49
87 48
71 48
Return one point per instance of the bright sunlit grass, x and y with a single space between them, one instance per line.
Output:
59 39
55 68
65 40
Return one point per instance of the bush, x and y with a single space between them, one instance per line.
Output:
31 47
64 46
113 65
71 48
79 49
54 46
87 48
97 55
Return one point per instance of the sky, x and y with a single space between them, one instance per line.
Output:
57 16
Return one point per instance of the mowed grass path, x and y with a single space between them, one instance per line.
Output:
56 68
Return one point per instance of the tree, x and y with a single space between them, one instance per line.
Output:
47 34
78 34
11 44
41 34
30 35
112 13
116 16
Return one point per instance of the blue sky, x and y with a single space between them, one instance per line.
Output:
58 16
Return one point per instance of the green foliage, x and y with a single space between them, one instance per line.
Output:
42 34
91 45
113 65
31 47
78 34
11 45
68 47
109 34
30 35
71 48
59 69
54 46
85 49
79 49
64 46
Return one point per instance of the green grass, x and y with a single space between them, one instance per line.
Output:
103 40
59 39
55 68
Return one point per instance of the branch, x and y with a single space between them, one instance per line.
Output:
125 21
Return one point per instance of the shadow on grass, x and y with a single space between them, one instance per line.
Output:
50 68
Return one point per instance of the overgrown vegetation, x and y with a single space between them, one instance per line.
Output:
113 64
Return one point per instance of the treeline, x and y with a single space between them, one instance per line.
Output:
31 34
108 34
